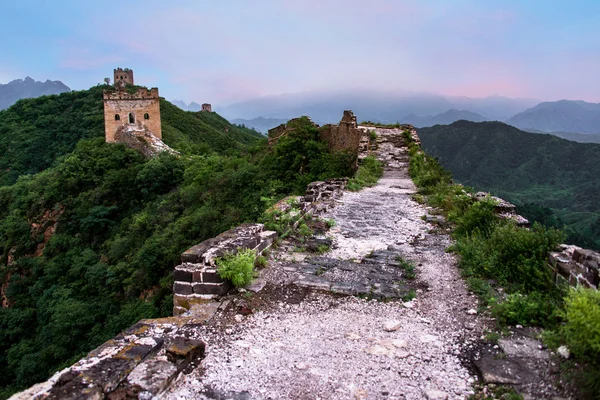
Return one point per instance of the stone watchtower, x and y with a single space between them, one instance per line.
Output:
136 112
206 107
123 77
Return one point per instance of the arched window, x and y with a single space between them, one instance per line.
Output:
117 117
146 116
131 118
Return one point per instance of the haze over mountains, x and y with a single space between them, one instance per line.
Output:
193 106
564 118
26 88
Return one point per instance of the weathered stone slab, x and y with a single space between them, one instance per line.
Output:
523 347
504 371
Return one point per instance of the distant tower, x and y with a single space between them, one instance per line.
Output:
123 77
206 107
135 112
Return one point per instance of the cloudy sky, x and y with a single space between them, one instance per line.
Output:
223 51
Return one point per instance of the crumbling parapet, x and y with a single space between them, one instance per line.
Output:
196 279
344 136
140 362
504 209
575 266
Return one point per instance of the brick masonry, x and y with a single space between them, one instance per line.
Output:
143 106
196 279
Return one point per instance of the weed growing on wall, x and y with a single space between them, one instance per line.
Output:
237 268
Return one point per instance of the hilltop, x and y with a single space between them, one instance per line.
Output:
524 168
562 116
34 133
28 88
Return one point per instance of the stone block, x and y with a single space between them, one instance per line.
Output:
211 276
153 375
211 289
197 276
183 349
182 275
182 288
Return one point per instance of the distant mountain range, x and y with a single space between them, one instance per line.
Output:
564 116
193 106
445 118
260 124
380 106
28 88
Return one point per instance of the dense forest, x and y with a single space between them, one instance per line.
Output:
552 180
90 232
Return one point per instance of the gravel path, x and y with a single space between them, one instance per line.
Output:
336 347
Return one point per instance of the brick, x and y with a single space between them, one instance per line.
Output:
179 288
182 276
211 277
218 289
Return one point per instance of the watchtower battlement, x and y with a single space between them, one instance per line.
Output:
137 111
123 77
140 94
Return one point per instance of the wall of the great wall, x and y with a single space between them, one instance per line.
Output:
143 360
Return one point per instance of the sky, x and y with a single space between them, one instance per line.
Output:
225 51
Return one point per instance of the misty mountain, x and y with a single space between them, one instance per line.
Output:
572 136
193 106
497 108
260 124
564 116
445 118
28 88
380 106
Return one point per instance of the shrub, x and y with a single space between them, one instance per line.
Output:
238 268
479 215
514 257
369 172
536 308
582 324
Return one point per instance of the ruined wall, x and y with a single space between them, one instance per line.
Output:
144 105
123 77
345 136
196 278
575 266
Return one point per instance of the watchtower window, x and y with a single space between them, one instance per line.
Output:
146 116
117 117
131 118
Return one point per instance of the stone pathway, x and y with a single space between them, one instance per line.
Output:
324 346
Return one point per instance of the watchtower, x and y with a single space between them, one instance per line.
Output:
135 112
206 107
123 77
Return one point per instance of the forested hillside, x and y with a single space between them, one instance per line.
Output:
35 132
88 244
561 178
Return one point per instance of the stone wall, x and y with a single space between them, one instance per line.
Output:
196 279
144 105
138 363
575 266
344 136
